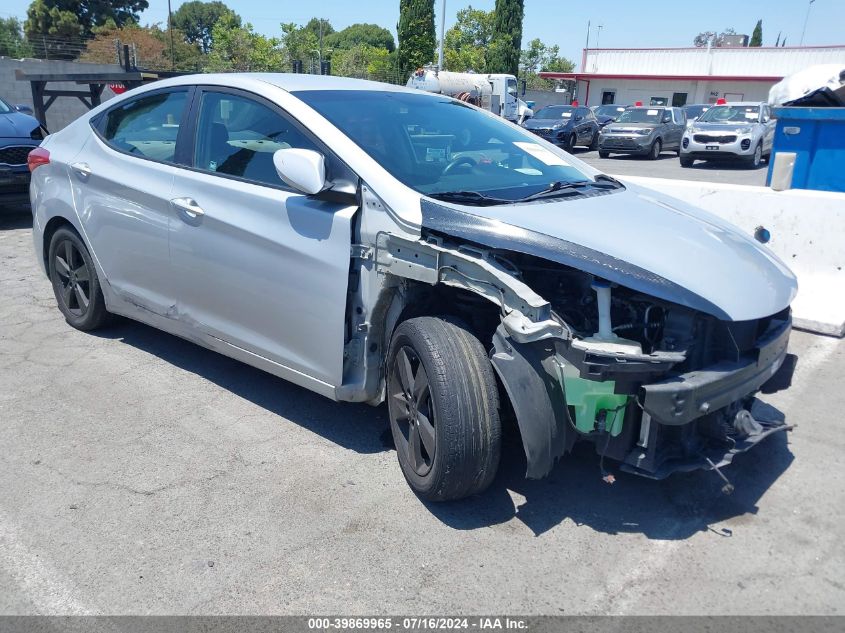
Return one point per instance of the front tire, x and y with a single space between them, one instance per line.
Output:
655 149
594 142
75 282
570 143
687 162
603 154
757 158
443 406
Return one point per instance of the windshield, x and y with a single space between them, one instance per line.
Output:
434 144
555 112
641 115
695 111
731 114
5 108
610 110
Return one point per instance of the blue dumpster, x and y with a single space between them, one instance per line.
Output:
817 138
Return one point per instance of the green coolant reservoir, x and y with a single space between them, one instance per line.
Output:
589 397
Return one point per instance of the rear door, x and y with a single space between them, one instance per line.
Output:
121 184
257 265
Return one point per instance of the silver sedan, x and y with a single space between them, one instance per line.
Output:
378 244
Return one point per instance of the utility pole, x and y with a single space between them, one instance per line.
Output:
170 28
806 18
442 36
586 48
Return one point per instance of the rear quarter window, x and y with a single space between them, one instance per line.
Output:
147 126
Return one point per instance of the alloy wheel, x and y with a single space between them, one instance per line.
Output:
74 278
411 411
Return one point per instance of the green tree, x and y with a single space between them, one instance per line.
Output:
53 32
507 37
314 25
299 43
88 13
355 35
416 34
757 35
196 19
466 44
12 41
537 58
366 62
239 48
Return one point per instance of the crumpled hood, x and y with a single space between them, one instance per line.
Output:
16 125
637 238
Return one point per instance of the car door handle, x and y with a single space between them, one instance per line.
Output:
189 206
82 169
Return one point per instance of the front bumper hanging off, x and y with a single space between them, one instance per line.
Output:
678 423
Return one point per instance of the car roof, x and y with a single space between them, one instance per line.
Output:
290 82
739 103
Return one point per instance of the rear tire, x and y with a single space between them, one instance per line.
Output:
443 405
75 282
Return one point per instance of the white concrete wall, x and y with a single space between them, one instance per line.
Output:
629 91
738 62
808 233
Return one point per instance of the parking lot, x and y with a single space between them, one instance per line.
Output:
668 166
142 474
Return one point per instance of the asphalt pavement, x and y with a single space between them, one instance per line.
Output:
141 474
669 166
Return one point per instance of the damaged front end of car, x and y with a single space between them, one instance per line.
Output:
591 348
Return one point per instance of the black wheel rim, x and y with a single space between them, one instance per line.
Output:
73 278
411 411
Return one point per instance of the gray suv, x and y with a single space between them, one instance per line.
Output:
646 131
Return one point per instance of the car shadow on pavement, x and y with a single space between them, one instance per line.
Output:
674 508
357 427
671 509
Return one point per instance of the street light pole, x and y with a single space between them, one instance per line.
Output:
442 35
170 28
806 18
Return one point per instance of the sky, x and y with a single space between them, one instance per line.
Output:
625 23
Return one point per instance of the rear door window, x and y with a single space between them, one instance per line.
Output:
237 136
148 126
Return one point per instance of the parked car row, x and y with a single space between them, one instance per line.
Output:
19 134
738 132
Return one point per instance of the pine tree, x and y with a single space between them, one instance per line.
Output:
416 34
757 35
507 37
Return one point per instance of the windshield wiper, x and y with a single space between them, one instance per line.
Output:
468 197
560 188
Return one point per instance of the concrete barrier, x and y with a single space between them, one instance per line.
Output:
808 233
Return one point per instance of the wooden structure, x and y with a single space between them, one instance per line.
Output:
94 84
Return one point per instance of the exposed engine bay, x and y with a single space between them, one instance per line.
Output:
658 386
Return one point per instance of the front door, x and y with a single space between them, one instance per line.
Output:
255 264
121 184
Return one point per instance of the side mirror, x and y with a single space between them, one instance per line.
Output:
22 107
302 169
